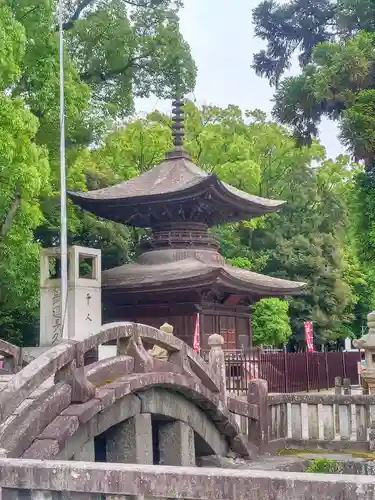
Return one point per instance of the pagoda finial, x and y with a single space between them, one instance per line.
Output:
178 130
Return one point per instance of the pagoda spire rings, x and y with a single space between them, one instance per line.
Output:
178 130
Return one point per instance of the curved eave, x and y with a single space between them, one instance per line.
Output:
241 198
126 200
271 287
162 278
123 209
110 208
181 282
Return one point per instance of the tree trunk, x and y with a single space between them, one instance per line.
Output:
7 224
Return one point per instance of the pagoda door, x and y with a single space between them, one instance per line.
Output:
228 331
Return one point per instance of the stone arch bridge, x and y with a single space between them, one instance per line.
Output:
131 408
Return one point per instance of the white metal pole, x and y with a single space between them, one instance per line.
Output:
63 224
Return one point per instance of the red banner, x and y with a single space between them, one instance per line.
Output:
196 341
309 335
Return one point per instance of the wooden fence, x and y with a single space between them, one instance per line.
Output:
289 372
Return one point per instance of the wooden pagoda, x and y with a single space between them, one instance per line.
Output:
182 273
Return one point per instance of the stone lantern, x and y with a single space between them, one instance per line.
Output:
367 342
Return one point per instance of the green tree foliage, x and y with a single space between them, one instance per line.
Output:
295 28
337 81
304 241
337 68
288 27
24 178
270 323
361 279
116 51
357 127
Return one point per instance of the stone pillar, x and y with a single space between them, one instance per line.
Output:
176 444
130 442
258 429
216 361
84 315
347 390
367 342
86 453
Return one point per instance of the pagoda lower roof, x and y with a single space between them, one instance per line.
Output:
189 273
144 200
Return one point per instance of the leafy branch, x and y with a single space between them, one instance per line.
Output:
145 4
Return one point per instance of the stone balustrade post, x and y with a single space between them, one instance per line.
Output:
216 361
346 387
338 386
82 389
9 364
367 342
258 429
338 392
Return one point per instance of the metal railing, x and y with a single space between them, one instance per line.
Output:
288 371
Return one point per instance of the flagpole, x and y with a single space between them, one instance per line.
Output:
63 218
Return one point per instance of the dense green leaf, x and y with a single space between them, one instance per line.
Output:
270 323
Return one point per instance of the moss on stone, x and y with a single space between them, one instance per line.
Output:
360 454
357 454
290 451
324 466
104 383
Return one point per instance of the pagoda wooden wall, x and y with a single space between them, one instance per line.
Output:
234 329
231 322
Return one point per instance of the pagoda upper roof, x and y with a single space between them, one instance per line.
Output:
176 182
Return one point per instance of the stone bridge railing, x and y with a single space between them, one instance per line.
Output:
55 392
334 422
13 357
42 480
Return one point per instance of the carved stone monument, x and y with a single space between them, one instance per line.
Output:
84 307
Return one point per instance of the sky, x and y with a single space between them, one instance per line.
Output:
222 41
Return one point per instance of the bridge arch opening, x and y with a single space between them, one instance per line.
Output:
159 425
142 427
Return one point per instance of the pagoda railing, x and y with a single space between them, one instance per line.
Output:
183 238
